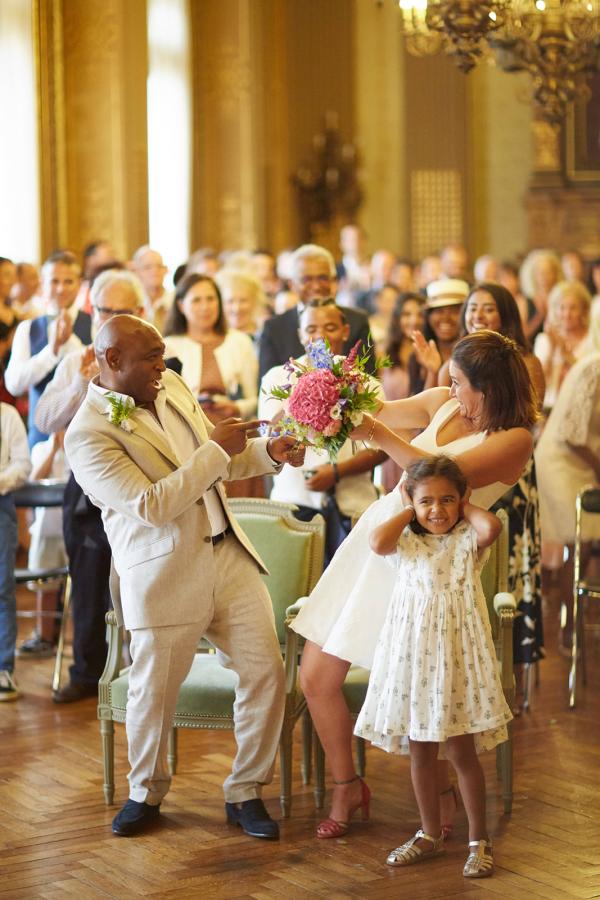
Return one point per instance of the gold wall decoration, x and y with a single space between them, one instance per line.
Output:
92 79
437 202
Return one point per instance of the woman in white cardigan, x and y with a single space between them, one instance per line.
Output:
219 364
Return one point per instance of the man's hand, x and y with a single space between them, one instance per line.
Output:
323 479
60 331
88 367
286 449
232 434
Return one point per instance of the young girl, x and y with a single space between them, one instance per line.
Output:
434 679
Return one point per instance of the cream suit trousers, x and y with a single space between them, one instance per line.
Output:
239 622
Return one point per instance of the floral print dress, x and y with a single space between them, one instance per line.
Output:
435 673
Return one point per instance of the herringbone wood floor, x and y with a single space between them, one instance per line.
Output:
55 839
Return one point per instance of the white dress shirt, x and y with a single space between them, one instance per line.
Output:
182 441
25 370
63 396
15 464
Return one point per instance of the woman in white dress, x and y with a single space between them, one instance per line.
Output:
484 422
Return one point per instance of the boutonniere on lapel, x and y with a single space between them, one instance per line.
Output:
120 412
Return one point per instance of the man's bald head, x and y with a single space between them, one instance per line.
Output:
130 356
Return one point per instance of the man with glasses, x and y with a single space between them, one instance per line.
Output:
314 281
113 293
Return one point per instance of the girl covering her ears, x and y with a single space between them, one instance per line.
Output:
434 678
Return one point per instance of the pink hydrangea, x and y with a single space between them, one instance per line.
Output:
312 398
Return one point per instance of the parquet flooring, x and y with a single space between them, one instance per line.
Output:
56 843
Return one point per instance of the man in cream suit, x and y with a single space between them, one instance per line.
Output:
143 451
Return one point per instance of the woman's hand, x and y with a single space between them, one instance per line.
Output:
364 431
406 498
427 353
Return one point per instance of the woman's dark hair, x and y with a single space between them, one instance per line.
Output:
510 318
176 322
395 337
595 264
494 365
435 467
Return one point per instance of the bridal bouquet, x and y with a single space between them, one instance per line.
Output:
325 397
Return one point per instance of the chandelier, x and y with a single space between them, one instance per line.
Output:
556 41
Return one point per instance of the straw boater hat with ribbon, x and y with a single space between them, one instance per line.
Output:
446 292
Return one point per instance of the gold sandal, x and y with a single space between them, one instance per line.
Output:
409 854
480 861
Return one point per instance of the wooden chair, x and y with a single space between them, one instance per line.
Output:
588 503
47 494
501 610
293 553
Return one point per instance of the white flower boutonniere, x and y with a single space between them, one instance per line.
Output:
120 412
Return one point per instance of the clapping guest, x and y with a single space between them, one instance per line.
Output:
24 296
406 319
441 331
568 460
564 339
40 344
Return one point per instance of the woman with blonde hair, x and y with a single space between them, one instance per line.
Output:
565 336
244 301
540 271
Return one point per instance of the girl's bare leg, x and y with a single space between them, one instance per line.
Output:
321 678
424 775
448 801
471 780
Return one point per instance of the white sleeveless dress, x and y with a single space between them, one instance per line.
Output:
345 612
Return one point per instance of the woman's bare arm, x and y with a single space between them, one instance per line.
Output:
413 412
487 525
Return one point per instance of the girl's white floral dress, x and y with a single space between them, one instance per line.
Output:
435 673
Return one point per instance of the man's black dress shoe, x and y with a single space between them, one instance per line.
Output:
253 818
75 690
134 818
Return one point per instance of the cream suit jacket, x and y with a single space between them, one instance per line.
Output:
152 507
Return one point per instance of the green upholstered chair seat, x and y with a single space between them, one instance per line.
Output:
209 689
355 688
293 553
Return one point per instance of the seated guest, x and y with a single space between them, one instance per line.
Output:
567 460
262 267
353 271
564 338
97 257
540 272
340 490
428 270
485 268
379 322
314 282
594 282
508 277
203 262
204 577
382 269
573 266
244 301
40 344
14 469
9 319
149 267
219 364
24 296
454 260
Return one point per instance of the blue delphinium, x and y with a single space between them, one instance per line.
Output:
319 354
